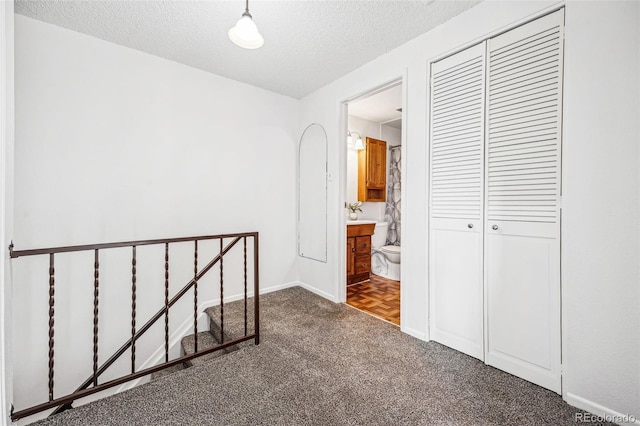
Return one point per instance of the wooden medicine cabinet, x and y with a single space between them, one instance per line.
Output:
372 171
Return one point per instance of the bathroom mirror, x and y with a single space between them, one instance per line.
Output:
312 193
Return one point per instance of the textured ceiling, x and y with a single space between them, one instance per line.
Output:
381 107
308 43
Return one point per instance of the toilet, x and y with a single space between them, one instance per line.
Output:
385 260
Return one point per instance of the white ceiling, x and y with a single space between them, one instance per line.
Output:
308 43
381 107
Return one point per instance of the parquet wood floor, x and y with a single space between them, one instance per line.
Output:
378 296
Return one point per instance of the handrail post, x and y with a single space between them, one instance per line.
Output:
256 289
221 295
195 296
96 276
133 311
245 285
52 292
166 302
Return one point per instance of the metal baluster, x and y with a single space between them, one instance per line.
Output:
245 285
195 296
133 311
96 275
221 298
51 323
166 302
256 289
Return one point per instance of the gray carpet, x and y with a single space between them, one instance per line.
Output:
322 363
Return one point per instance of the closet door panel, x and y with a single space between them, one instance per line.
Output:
522 315
457 290
456 201
523 158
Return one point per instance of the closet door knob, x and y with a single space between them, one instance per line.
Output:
470 226
494 227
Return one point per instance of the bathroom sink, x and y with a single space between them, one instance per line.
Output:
360 222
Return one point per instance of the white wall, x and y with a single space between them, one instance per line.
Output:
601 207
392 135
366 128
114 145
6 199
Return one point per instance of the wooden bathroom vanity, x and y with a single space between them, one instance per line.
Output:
359 251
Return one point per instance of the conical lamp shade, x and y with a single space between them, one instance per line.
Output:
245 33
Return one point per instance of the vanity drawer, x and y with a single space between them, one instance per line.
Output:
363 245
363 264
357 230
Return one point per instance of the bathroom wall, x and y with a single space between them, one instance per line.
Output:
390 134
366 128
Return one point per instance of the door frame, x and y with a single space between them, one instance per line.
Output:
341 282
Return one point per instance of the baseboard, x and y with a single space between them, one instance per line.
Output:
320 293
413 332
600 411
273 288
240 296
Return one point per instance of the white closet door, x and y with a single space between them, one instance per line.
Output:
522 245
456 202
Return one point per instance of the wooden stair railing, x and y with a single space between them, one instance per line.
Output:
91 385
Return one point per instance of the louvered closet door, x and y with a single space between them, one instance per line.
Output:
522 245
456 202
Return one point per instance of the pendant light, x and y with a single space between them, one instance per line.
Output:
245 33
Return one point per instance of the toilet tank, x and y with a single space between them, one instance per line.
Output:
379 237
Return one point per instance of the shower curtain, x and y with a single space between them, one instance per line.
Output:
392 211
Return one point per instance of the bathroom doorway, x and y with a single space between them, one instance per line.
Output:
373 200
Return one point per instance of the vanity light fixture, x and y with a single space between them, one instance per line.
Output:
358 144
245 33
